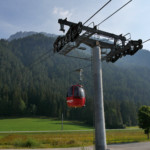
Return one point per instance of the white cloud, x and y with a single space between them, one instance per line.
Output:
61 12
55 10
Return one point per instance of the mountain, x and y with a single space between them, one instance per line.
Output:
140 59
34 81
21 34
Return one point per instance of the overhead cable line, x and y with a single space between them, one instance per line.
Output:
38 60
146 41
44 59
86 66
80 68
91 23
88 59
97 12
114 12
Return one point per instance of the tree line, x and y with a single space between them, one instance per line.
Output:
28 89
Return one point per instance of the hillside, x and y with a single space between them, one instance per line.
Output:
140 59
32 86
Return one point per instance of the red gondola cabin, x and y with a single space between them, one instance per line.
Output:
76 96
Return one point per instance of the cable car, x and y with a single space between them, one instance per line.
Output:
76 96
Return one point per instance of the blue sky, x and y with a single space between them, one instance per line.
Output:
43 15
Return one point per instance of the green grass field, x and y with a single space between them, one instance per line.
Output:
58 138
39 124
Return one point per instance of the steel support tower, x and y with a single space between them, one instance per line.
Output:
100 134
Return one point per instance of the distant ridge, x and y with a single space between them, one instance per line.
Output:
21 34
140 59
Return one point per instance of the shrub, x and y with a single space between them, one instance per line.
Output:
26 143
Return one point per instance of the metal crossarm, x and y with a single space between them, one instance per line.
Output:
75 30
92 30
74 37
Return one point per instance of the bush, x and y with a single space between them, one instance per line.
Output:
26 143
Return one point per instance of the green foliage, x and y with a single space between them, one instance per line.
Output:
29 143
144 119
40 89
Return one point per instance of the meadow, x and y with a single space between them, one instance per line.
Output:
69 137
40 124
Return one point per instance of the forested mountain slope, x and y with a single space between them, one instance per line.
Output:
31 85
140 59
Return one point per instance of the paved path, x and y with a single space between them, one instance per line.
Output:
130 146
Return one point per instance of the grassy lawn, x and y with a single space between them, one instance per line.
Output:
39 124
59 138
125 136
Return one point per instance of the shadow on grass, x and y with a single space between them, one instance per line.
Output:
114 142
24 117
73 123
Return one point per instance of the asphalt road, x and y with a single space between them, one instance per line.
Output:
130 146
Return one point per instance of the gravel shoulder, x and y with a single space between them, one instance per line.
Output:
128 146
